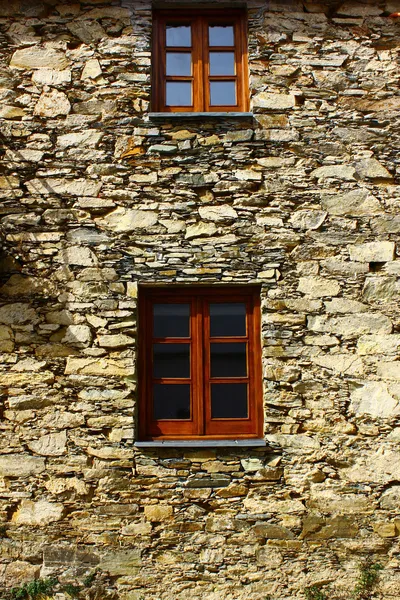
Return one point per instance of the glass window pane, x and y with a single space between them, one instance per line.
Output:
222 63
223 93
179 35
229 401
171 360
228 360
171 320
227 320
171 401
179 63
179 93
220 35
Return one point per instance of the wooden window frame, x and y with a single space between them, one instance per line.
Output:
200 425
199 20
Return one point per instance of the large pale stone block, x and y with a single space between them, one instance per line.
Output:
123 220
318 287
21 465
115 341
53 444
346 173
51 76
378 344
370 168
52 104
381 289
308 219
258 505
220 213
200 230
90 137
351 325
158 512
17 313
344 364
121 562
77 335
374 398
70 187
337 501
39 58
381 466
101 366
358 202
78 255
372 252
389 370
275 102
38 514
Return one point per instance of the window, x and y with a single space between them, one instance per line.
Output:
200 61
200 363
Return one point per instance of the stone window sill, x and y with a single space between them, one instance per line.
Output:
165 116
242 443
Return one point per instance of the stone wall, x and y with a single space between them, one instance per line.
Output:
97 199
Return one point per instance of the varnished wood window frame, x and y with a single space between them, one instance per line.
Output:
200 425
200 19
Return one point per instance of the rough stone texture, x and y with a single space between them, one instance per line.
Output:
98 199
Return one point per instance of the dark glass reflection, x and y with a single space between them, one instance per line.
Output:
179 63
229 401
179 93
221 35
171 401
178 35
171 360
222 63
223 93
227 319
228 360
171 320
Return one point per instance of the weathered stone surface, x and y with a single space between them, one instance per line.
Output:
318 287
375 399
20 465
52 104
158 512
389 370
218 213
17 313
372 252
38 514
51 76
378 344
341 172
390 499
274 101
122 220
308 219
101 366
200 230
370 168
87 31
351 325
341 363
39 58
355 203
381 289
91 137
125 562
78 255
53 444
382 466
75 187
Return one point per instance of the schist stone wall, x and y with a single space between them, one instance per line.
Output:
97 198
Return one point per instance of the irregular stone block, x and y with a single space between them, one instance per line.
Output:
73 187
220 213
18 285
262 506
17 313
274 101
21 465
52 104
318 287
381 466
115 341
78 255
121 562
38 514
53 444
19 572
372 252
77 335
200 230
374 398
344 305
308 219
346 173
102 367
51 77
358 202
26 379
87 30
390 499
39 58
381 289
123 220
158 512
378 344
351 325
8 111
344 364
389 370
90 137
370 168
338 502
